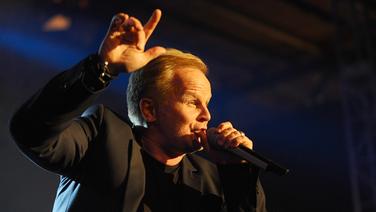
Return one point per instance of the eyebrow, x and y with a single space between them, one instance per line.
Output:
193 94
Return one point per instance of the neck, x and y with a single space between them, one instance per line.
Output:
155 148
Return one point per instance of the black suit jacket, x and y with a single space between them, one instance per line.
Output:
99 160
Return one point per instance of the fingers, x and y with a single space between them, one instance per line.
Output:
116 24
152 23
122 22
224 125
134 26
229 137
118 20
127 29
234 139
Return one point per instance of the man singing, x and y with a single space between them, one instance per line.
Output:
160 159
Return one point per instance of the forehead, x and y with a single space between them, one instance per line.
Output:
192 80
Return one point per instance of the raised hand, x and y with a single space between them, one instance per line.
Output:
124 44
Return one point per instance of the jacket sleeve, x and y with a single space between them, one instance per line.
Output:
48 127
242 188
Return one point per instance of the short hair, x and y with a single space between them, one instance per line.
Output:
154 80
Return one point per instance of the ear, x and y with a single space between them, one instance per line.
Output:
147 108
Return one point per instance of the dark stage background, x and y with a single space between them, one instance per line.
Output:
275 70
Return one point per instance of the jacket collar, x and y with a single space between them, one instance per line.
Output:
191 175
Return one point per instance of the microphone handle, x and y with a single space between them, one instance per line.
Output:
258 160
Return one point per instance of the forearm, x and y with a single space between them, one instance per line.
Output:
48 127
52 108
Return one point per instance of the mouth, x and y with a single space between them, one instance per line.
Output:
199 131
197 139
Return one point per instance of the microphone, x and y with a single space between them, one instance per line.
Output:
258 160
252 157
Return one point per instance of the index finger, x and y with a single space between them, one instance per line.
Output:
152 23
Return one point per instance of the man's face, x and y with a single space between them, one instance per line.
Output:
184 111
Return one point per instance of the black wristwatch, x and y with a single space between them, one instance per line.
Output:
96 73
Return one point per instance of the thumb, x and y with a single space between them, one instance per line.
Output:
154 52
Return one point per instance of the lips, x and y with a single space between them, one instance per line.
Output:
197 142
199 130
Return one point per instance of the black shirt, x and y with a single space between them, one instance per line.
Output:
163 190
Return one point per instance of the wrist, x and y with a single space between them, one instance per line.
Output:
105 71
97 74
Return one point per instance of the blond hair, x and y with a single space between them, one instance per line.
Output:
154 80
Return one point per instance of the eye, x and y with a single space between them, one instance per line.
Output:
192 102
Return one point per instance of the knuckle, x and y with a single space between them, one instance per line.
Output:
233 134
240 140
227 131
119 17
117 21
228 124
225 125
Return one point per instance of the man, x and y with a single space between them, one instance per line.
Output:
107 163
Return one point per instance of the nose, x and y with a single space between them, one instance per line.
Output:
204 114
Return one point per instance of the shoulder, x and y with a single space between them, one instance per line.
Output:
102 112
107 118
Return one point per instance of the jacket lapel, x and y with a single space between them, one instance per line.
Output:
191 175
202 190
135 181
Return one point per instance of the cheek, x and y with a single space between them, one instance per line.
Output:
180 118
177 115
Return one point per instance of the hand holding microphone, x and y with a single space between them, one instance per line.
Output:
227 145
218 139
225 136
